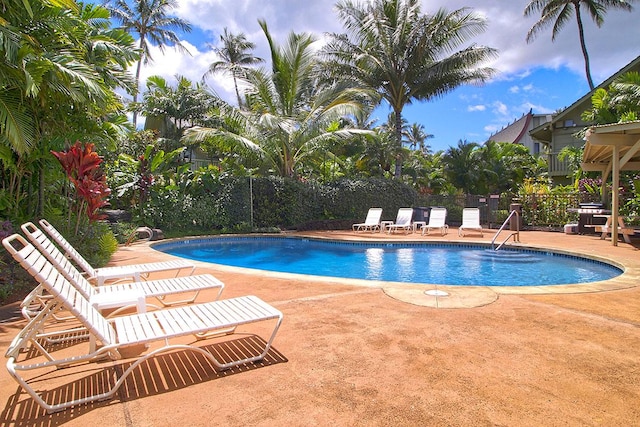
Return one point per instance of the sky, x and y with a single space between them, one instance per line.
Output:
541 76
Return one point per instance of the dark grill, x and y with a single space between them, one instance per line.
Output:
587 219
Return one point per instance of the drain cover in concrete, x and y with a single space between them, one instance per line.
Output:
436 293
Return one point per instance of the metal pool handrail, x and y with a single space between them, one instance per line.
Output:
515 234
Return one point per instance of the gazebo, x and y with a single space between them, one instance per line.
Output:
611 149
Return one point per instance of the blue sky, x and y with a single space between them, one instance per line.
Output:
542 76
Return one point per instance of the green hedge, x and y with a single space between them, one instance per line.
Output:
277 202
227 204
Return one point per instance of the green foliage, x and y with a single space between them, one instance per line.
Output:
283 202
95 241
290 120
14 280
122 231
278 202
546 205
631 206
619 103
351 199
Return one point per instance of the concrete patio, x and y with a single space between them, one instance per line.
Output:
383 354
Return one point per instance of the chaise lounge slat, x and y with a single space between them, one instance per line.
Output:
135 272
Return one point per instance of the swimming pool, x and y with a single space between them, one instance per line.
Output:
422 263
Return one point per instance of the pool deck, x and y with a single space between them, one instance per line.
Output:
361 354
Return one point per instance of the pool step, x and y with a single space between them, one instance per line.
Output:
507 256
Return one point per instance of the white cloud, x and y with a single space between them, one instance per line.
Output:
536 108
476 107
500 108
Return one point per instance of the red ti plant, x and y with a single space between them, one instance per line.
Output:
82 166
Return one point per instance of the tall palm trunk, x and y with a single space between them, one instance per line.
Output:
137 88
398 171
135 94
235 84
583 45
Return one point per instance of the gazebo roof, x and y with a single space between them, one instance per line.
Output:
601 142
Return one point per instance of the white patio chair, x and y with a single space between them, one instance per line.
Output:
108 296
107 337
470 221
403 221
437 221
371 222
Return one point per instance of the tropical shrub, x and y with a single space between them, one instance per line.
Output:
14 280
81 164
95 241
83 228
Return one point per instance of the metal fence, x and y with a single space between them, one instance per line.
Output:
538 210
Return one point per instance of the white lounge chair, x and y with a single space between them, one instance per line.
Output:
403 221
371 222
470 221
437 221
106 296
136 272
27 352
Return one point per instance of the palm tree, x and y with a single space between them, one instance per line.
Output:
287 121
620 103
171 110
150 21
558 12
392 48
461 166
502 166
234 58
416 137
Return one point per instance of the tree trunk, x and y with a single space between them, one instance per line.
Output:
135 94
398 171
40 207
137 82
583 45
235 84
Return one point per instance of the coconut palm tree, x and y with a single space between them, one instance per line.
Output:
235 58
170 110
404 55
287 120
150 21
558 12
416 136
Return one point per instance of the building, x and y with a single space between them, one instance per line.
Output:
561 129
518 131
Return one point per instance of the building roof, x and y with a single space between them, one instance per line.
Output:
515 131
543 132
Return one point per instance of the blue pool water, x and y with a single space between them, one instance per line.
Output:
444 264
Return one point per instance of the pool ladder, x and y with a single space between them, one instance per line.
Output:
514 234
